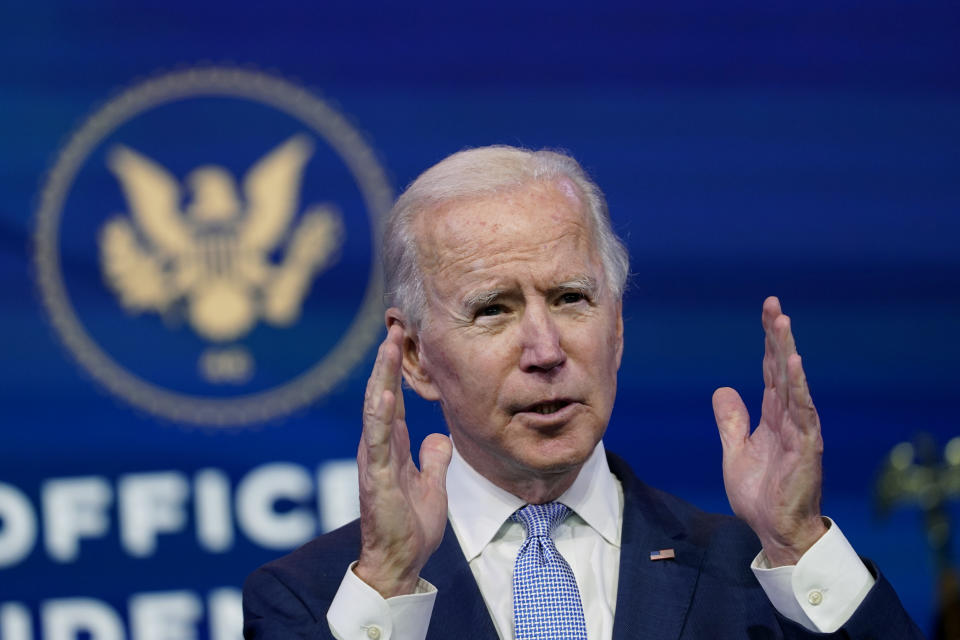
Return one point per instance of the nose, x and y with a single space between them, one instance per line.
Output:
540 341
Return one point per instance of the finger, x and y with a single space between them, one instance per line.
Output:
778 346
781 329
802 411
400 411
733 420
435 454
380 376
393 350
400 457
371 401
769 361
377 430
382 398
369 390
771 311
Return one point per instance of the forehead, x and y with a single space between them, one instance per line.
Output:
530 222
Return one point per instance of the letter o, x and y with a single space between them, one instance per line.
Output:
19 531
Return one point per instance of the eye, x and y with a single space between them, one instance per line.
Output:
571 297
491 310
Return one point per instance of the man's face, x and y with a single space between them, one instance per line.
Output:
522 338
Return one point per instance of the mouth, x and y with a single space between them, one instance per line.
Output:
547 407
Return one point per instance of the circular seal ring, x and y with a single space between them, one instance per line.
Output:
256 86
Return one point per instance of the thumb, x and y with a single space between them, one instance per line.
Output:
435 454
733 421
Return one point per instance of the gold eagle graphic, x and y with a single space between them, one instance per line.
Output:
214 257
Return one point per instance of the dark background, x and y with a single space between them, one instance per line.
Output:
808 150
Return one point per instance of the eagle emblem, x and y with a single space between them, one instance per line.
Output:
224 259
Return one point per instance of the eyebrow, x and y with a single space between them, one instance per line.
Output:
580 283
482 298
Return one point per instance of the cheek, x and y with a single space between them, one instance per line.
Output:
469 377
597 347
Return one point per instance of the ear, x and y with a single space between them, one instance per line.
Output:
619 331
414 368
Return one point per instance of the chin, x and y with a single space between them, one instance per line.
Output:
557 457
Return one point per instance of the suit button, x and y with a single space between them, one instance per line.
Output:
815 597
373 632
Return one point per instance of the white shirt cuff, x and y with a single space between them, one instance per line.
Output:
359 612
823 589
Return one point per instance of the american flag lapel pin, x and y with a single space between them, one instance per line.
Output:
663 554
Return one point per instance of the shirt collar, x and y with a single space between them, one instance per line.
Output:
478 508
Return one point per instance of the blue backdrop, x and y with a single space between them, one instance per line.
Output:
150 457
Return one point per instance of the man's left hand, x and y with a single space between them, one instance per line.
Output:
773 476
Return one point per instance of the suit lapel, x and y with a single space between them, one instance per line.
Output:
653 596
459 611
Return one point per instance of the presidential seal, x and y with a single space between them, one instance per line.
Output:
206 246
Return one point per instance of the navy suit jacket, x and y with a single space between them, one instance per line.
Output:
707 591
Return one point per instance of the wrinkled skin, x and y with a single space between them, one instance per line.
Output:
520 345
773 476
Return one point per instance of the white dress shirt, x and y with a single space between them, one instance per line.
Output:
820 592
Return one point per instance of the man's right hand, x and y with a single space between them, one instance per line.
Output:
403 511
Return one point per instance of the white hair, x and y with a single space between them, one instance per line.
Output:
477 173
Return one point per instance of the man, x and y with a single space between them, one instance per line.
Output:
505 281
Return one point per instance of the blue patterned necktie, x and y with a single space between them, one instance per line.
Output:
546 602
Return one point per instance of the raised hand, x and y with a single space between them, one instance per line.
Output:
403 511
773 476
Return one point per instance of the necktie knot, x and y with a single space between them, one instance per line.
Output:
541 519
